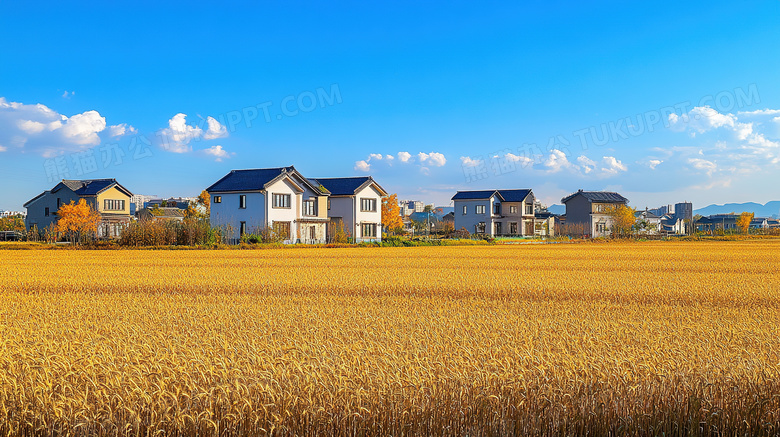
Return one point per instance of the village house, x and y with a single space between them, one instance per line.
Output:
110 199
495 212
277 199
586 212
354 203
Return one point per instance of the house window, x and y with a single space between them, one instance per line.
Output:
369 230
513 228
481 227
328 204
368 205
242 201
113 205
242 228
513 209
529 209
217 199
498 228
59 203
308 207
281 200
465 209
46 212
496 208
282 229
599 208
480 209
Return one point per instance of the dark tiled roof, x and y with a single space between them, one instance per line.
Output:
246 180
90 187
598 196
514 195
473 195
345 186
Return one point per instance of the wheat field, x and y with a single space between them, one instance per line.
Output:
656 338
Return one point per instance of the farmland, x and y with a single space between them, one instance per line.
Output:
623 338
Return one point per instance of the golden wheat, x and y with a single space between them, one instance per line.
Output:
622 339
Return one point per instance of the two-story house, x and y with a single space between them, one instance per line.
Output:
495 212
106 196
356 204
278 199
586 212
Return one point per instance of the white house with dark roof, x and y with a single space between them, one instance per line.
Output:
355 203
495 212
106 196
278 199
586 212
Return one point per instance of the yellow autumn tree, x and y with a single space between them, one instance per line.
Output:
78 220
744 220
200 208
391 214
623 220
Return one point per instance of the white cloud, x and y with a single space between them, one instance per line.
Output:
511 157
389 157
467 161
612 166
178 135
404 156
377 156
587 164
702 164
362 166
653 163
41 130
217 152
215 129
118 130
434 159
3 149
557 161
67 95
701 119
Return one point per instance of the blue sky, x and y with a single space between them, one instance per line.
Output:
428 99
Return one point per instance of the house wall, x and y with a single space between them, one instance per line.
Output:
471 218
321 212
291 214
114 194
36 211
343 207
578 210
368 216
227 214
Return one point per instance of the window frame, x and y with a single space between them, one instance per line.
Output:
513 209
480 227
278 200
285 226
309 211
242 201
372 227
217 199
241 229
46 212
479 209
465 209
371 204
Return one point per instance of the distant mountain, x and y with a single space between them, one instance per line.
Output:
557 209
770 209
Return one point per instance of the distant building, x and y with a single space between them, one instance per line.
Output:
684 211
586 212
12 213
648 223
714 222
411 206
495 212
159 214
138 201
110 199
171 202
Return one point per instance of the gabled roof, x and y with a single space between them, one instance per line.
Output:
476 195
597 196
257 179
646 214
34 199
514 195
348 186
163 212
90 187
504 195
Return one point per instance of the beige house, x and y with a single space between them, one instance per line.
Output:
107 196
